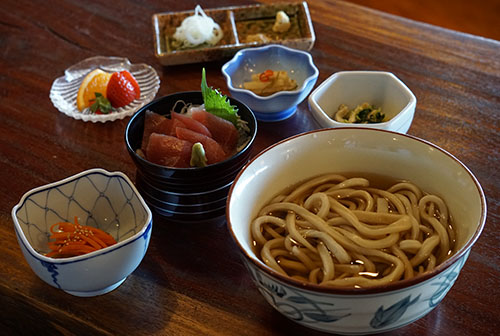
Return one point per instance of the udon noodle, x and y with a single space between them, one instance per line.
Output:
338 231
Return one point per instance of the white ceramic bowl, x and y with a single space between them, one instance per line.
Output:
100 199
280 105
352 88
356 310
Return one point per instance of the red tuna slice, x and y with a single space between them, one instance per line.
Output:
192 124
168 126
151 121
223 131
213 150
168 151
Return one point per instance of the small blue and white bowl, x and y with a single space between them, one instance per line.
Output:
108 201
281 105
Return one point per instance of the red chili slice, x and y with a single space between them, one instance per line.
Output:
264 77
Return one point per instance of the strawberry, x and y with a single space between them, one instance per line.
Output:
122 89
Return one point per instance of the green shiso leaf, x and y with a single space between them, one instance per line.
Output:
217 103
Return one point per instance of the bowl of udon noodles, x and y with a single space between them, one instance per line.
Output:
355 230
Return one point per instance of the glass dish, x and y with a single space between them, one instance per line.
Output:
64 89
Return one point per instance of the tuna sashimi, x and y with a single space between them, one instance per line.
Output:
223 131
151 121
168 126
168 151
213 150
191 124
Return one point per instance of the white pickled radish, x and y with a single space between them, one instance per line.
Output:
198 29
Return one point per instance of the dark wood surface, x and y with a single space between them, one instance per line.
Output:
473 17
191 281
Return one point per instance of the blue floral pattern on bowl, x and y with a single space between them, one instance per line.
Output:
98 198
297 306
385 317
345 313
445 281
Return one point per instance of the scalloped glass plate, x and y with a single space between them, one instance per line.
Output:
64 89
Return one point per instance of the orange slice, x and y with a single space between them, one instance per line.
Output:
95 81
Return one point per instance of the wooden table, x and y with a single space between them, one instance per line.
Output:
191 281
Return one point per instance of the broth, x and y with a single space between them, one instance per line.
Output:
353 230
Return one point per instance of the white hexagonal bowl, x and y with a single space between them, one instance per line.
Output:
379 88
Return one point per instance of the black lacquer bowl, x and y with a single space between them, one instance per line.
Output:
186 194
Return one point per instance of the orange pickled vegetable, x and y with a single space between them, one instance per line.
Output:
70 240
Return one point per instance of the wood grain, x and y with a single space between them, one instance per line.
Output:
476 18
192 281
